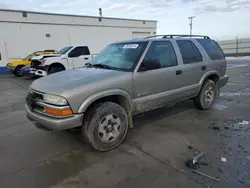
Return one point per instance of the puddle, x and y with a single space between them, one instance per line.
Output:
222 104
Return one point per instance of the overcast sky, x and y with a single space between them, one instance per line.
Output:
220 19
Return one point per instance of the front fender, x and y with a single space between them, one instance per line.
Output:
92 98
52 60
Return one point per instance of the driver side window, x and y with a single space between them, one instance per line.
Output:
163 52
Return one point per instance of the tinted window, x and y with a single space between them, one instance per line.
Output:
162 51
78 51
189 52
212 49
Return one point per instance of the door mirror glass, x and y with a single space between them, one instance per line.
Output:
149 64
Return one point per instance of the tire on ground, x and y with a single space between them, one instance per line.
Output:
17 70
91 123
55 69
199 100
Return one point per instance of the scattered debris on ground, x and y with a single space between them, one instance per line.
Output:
190 147
205 175
223 159
216 128
244 122
220 170
194 164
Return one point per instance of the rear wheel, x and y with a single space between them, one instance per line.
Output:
105 126
205 99
17 71
55 69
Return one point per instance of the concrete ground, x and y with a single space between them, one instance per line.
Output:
153 154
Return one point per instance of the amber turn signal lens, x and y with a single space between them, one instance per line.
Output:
55 112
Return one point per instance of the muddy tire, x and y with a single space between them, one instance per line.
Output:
17 71
105 126
55 69
205 99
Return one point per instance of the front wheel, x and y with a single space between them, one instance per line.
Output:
205 99
55 69
17 71
105 126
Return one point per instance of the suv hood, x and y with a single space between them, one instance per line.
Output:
44 55
70 82
19 62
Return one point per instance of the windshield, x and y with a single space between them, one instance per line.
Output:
120 56
65 50
28 57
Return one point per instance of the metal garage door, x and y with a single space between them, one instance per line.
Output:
136 35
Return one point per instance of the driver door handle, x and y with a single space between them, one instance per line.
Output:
178 72
86 58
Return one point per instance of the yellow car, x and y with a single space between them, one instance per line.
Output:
16 65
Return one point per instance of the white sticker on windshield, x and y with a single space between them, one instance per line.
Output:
133 46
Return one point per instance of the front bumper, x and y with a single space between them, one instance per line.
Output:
223 80
54 123
28 71
10 68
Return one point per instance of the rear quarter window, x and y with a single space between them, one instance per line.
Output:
212 48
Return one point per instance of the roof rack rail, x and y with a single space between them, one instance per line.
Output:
176 36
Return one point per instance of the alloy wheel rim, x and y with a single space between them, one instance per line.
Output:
209 95
109 128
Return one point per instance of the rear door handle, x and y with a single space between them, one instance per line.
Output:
178 72
86 58
203 67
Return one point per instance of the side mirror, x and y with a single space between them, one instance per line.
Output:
64 56
149 64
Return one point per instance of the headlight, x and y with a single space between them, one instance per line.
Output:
53 99
9 65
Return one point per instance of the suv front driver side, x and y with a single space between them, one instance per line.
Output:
128 78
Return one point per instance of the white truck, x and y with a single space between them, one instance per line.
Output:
70 57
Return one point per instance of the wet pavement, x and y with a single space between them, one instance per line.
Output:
153 154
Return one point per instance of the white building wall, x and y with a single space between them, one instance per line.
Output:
20 35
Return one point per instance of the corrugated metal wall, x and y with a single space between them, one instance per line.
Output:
236 47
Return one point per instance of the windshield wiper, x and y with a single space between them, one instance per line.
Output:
88 65
100 65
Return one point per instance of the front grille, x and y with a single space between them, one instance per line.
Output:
32 99
37 96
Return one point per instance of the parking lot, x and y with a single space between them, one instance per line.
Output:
152 155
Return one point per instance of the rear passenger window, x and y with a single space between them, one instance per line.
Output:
189 52
212 49
162 51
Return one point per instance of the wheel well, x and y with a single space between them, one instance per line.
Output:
20 66
56 65
118 99
215 78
